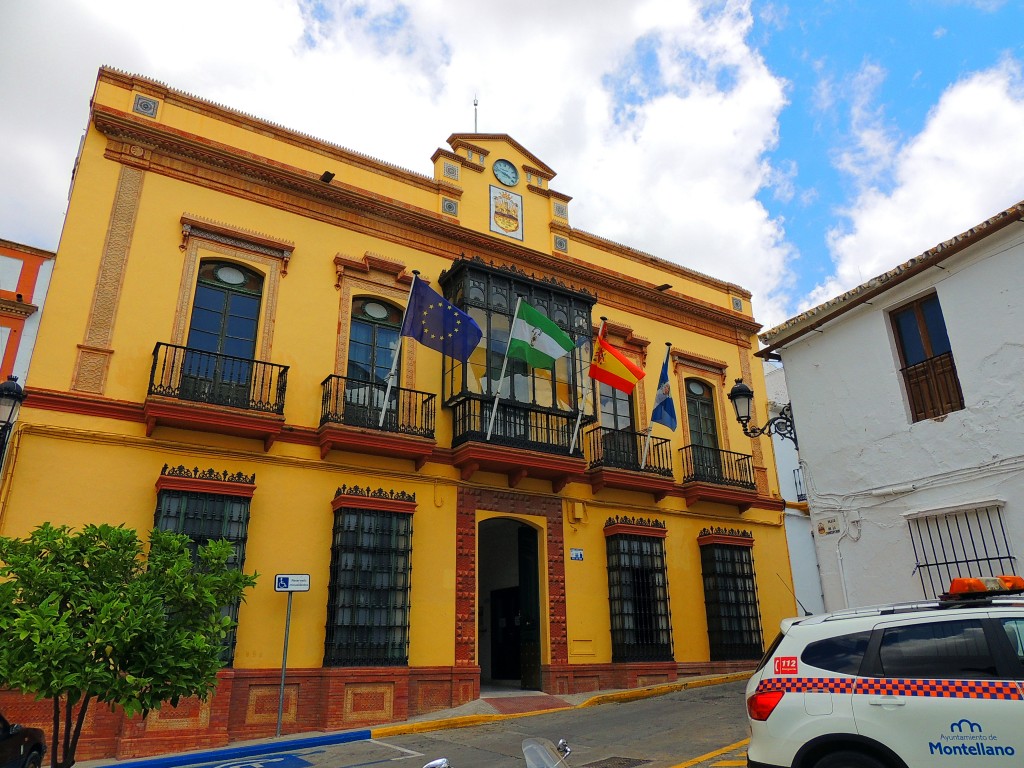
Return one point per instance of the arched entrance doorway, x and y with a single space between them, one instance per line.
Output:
508 600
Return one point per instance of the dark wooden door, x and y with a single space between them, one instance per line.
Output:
529 598
505 634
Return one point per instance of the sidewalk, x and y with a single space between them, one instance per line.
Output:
495 703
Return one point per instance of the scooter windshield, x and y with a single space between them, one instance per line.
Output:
540 753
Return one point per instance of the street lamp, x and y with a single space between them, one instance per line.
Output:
782 425
11 396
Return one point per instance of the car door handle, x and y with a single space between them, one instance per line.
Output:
887 701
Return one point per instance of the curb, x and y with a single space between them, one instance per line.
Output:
287 744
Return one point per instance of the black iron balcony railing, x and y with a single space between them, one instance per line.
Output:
358 403
206 377
798 482
713 465
620 449
515 425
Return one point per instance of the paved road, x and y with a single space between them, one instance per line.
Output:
700 727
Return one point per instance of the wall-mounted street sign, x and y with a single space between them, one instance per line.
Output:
291 582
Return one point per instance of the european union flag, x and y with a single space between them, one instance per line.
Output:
435 322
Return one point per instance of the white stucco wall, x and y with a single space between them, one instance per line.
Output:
857 440
786 458
803 558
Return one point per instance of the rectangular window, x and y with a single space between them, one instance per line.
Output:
368 594
730 600
638 595
970 542
929 372
206 517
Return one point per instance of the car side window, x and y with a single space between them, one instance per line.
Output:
1014 629
943 649
838 654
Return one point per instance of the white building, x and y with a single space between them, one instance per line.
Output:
803 558
908 396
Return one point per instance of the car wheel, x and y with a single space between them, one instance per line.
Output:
848 759
33 760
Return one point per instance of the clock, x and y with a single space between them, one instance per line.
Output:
506 173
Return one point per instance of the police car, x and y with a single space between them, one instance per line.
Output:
938 683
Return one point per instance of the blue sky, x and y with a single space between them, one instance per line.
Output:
856 66
795 148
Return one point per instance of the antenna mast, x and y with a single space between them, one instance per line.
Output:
475 103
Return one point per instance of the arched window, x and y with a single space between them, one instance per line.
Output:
700 413
222 334
373 339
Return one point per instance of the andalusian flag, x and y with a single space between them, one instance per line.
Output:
613 368
537 339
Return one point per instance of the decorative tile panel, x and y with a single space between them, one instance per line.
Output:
451 170
264 701
561 244
369 702
190 714
449 207
145 106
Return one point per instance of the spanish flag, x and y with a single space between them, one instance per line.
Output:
611 367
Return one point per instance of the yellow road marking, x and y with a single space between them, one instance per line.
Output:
716 753
730 763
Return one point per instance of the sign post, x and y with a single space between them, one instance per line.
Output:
290 583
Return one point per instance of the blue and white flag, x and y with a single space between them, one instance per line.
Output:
664 409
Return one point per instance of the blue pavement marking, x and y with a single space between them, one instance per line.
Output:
234 756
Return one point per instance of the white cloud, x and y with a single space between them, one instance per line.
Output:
874 142
672 165
966 165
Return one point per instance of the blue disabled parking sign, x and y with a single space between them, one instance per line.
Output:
291 582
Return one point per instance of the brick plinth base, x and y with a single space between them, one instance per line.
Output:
245 706
245 703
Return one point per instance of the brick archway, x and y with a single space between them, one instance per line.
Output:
471 500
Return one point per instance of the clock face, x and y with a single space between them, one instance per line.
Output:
506 173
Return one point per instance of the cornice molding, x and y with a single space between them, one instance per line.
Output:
634 530
175 145
25 249
633 254
17 308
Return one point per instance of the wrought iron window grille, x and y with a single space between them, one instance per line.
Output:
369 588
641 621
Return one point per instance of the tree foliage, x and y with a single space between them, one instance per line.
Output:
97 614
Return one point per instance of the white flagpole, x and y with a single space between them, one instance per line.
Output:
647 445
501 377
579 416
391 381
398 352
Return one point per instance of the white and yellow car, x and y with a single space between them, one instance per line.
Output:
938 683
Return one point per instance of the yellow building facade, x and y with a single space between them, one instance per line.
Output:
214 357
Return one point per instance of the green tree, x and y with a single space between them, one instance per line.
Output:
97 615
